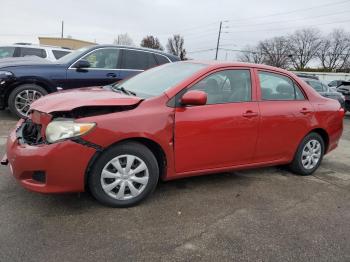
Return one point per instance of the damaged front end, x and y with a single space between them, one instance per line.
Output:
30 133
38 127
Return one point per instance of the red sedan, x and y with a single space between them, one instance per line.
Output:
176 120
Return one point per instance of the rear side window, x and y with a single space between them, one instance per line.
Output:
138 60
7 51
58 53
278 87
24 51
161 59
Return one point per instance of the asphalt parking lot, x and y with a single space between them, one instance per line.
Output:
264 214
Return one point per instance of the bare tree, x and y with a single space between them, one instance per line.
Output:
175 46
123 39
276 51
151 42
304 45
335 50
251 55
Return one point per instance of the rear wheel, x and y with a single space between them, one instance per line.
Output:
124 175
22 96
309 155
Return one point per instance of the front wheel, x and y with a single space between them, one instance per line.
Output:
124 175
309 155
22 96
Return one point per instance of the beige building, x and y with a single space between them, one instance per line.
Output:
64 42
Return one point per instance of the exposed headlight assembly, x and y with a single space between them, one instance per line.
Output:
62 129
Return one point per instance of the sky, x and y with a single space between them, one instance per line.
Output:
244 22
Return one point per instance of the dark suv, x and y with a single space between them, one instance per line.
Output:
23 80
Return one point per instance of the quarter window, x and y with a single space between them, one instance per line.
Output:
278 87
103 58
138 60
161 59
58 53
226 86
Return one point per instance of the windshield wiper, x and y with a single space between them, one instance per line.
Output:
125 91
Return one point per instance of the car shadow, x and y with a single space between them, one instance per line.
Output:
79 203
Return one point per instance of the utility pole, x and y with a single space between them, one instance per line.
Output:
218 43
62 27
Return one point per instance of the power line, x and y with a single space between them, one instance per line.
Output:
292 11
256 17
284 28
201 51
292 20
249 51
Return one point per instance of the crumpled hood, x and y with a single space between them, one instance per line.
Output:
93 96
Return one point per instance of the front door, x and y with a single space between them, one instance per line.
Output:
104 69
223 132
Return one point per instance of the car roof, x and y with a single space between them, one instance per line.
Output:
220 64
38 46
137 48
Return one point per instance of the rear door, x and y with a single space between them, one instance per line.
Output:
285 116
223 132
136 61
104 69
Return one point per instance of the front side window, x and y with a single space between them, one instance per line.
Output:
278 87
7 51
33 52
103 58
226 86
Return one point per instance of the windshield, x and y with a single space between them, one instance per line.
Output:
155 81
71 56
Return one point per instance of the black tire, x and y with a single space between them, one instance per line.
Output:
132 148
296 166
19 89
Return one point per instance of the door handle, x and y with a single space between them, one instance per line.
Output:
111 75
305 111
250 114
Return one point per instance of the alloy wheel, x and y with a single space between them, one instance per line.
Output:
24 99
311 154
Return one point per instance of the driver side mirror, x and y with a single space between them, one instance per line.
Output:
82 64
194 98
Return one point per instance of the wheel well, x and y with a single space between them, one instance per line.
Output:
150 144
323 133
13 86
156 150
